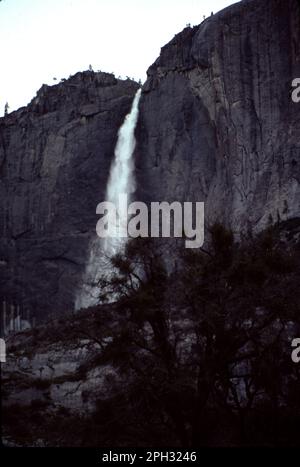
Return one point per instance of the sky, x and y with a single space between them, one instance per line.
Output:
45 39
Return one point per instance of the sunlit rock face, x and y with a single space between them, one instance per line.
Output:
217 122
55 156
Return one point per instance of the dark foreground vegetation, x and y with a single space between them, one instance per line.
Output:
203 345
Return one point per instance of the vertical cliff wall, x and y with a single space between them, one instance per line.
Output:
55 156
217 122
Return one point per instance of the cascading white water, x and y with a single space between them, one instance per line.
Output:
120 182
121 179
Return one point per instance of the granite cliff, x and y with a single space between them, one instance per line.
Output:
216 124
55 156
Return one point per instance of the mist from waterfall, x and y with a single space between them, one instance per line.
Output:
121 181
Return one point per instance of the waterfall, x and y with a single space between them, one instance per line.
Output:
120 182
121 179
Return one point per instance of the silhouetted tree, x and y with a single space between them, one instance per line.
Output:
208 338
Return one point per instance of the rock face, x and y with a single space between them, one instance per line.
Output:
55 156
217 122
55 370
35 360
